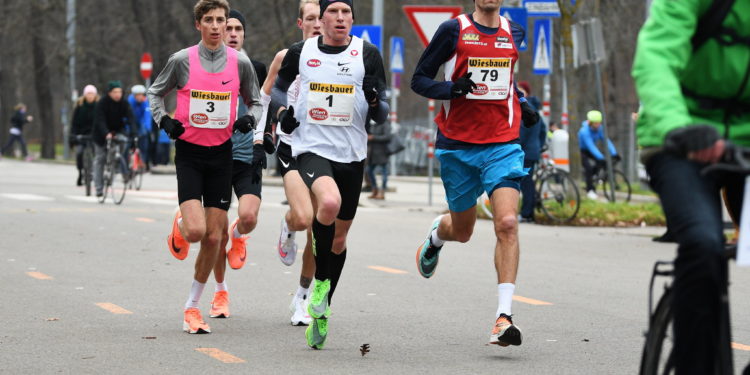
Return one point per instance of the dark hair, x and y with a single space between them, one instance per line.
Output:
204 6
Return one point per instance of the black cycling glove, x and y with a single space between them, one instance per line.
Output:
287 120
244 124
682 141
370 87
259 162
268 143
463 86
172 127
529 115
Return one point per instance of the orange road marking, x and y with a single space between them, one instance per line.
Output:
39 275
111 307
387 269
531 301
220 355
738 346
144 220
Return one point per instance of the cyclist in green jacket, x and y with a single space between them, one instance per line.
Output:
695 95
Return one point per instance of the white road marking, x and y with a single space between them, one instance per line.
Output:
28 197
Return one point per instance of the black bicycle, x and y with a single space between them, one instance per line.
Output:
622 184
88 160
557 194
116 173
658 351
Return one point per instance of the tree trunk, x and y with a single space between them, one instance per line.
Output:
42 85
567 14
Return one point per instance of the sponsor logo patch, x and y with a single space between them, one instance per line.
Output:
319 114
314 63
481 89
471 37
199 118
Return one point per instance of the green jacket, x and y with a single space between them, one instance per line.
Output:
665 62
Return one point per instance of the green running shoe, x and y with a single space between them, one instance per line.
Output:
318 306
316 333
427 254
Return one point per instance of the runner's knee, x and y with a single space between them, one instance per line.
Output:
506 225
328 208
193 234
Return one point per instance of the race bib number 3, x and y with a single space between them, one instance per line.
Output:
209 109
492 76
330 104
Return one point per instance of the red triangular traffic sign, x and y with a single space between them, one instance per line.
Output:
426 19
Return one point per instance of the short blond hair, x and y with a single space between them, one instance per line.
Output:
204 6
302 4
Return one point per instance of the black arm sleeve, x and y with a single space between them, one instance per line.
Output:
374 67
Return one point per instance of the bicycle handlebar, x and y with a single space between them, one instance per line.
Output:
736 159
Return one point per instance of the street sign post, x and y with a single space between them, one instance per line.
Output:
542 47
519 16
370 33
397 54
426 19
147 66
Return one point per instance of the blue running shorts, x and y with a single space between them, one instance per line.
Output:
466 173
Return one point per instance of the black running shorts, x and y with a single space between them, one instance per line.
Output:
242 180
348 178
288 162
204 173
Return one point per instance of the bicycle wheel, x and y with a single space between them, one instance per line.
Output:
119 182
483 202
106 182
658 355
88 168
558 196
622 186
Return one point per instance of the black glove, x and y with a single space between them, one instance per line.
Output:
616 158
463 86
172 127
600 164
370 87
691 138
287 120
529 115
259 162
244 124
268 143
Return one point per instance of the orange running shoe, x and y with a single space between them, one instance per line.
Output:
237 253
193 322
176 243
504 332
220 305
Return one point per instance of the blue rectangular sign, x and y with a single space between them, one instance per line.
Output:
370 33
397 55
519 16
542 8
542 63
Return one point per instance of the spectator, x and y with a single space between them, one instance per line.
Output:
532 139
378 156
111 116
143 121
16 130
83 124
591 158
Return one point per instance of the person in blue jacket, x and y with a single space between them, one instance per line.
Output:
591 158
532 139
142 118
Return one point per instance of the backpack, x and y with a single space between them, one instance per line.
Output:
710 23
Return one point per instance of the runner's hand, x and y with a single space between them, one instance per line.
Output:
268 143
370 87
529 115
287 120
244 124
259 162
463 86
696 142
172 127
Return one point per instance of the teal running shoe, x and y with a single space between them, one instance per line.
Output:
427 254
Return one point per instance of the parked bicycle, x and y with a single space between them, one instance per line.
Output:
88 161
557 194
658 350
116 173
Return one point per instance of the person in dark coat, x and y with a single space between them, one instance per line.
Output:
112 116
83 124
16 130
532 140
378 157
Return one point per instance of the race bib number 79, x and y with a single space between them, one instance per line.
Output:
492 76
330 104
209 109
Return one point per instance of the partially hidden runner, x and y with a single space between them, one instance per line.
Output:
209 78
478 141
300 213
342 83
249 160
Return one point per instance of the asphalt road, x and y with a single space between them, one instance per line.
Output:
90 288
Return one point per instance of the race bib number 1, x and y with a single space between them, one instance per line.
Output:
492 76
209 109
330 104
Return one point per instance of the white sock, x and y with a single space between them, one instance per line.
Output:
195 294
222 286
236 233
435 240
505 298
179 221
302 292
